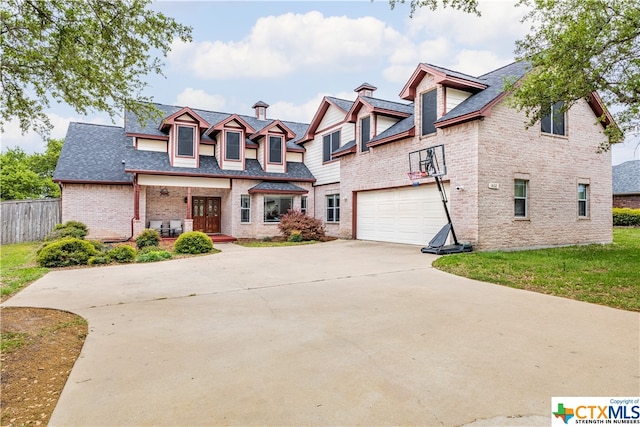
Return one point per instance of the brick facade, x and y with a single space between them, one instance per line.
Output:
627 201
107 210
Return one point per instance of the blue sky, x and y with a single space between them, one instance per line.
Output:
290 54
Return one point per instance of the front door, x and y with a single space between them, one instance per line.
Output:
206 214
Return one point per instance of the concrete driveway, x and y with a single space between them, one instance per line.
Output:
339 333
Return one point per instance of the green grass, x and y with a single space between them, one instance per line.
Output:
264 244
18 267
601 274
10 341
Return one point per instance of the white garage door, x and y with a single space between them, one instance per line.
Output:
401 215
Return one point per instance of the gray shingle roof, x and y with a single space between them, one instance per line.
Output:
626 178
342 103
389 105
93 153
455 73
346 147
400 127
495 81
132 125
155 161
278 186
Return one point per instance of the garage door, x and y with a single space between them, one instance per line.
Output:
401 215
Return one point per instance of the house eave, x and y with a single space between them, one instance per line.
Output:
213 175
392 138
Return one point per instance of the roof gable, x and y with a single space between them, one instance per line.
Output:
289 134
179 115
216 127
327 101
379 106
442 76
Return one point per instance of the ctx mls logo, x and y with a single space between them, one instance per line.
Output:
564 413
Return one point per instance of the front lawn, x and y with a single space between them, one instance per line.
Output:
18 267
601 274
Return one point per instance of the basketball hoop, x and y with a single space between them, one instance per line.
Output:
415 177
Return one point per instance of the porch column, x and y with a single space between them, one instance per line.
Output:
136 225
136 201
189 211
188 222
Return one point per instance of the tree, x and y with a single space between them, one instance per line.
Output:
577 47
469 6
580 47
90 54
24 176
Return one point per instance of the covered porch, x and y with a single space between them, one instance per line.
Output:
172 206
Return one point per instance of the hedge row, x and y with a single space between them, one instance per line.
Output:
65 246
626 217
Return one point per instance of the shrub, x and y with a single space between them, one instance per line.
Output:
100 246
65 252
68 229
147 249
309 228
148 237
267 239
626 217
99 259
122 254
152 256
295 236
193 242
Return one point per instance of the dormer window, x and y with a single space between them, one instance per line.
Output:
365 133
275 149
232 145
186 141
429 111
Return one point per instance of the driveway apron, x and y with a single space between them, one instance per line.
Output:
339 333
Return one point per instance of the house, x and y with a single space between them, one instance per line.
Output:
626 185
216 172
508 186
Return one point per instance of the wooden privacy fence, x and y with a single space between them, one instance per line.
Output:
28 220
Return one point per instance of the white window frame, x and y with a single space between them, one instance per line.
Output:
247 208
329 141
303 204
226 145
332 211
193 141
516 198
279 197
269 159
583 200
553 114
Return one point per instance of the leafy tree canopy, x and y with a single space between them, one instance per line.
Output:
89 54
469 6
580 47
29 176
576 47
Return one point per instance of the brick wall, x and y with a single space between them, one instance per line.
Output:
334 229
106 209
497 150
554 166
630 201
257 228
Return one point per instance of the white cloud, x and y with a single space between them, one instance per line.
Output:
304 112
500 22
478 62
31 142
198 98
280 45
